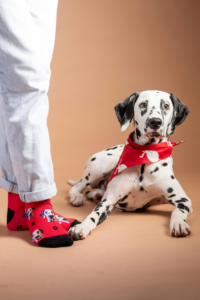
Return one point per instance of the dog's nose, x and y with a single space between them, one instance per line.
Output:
154 123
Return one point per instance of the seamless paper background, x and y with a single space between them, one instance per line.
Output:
106 50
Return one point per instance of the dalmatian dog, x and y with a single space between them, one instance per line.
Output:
62 219
37 235
156 114
49 214
28 213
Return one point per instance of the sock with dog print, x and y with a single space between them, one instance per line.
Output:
15 219
44 225
16 216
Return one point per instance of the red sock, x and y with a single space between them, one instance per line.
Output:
44 226
16 216
15 219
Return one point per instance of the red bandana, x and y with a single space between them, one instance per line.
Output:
134 154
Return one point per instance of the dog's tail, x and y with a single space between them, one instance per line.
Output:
72 182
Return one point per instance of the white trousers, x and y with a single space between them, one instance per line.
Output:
27 35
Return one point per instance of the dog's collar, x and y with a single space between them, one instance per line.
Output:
135 154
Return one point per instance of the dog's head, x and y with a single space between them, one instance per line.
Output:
37 235
28 213
156 113
49 214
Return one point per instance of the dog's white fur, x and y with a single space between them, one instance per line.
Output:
141 186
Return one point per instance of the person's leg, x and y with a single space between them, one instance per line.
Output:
23 92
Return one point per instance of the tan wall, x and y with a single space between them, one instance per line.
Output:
106 50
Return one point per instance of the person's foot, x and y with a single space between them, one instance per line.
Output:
44 226
16 215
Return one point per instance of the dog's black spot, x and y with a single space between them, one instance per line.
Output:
99 197
89 174
182 200
124 198
107 207
92 219
136 122
138 133
145 129
102 218
123 204
80 180
93 158
163 197
97 213
170 201
182 206
141 178
141 189
143 112
109 153
99 205
104 200
87 192
170 190
142 168
172 177
173 195
104 174
182 211
87 184
156 169
86 177
184 220
153 107
111 148
164 164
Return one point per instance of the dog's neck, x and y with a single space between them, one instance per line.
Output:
141 140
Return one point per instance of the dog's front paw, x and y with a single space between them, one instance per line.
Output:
80 231
77 199
179 228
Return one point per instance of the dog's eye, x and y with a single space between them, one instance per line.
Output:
143 105
166 106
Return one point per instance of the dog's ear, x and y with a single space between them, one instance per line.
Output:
42 231
25 214
125 111
180 113
42 214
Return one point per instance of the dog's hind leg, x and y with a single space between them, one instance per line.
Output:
97 170
95 195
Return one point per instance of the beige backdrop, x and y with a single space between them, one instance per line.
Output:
106 50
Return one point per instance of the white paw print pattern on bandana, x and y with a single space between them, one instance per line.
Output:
153 156
121 168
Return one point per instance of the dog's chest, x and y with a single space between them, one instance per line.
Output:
146 180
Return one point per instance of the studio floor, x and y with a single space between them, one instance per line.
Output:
129 256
